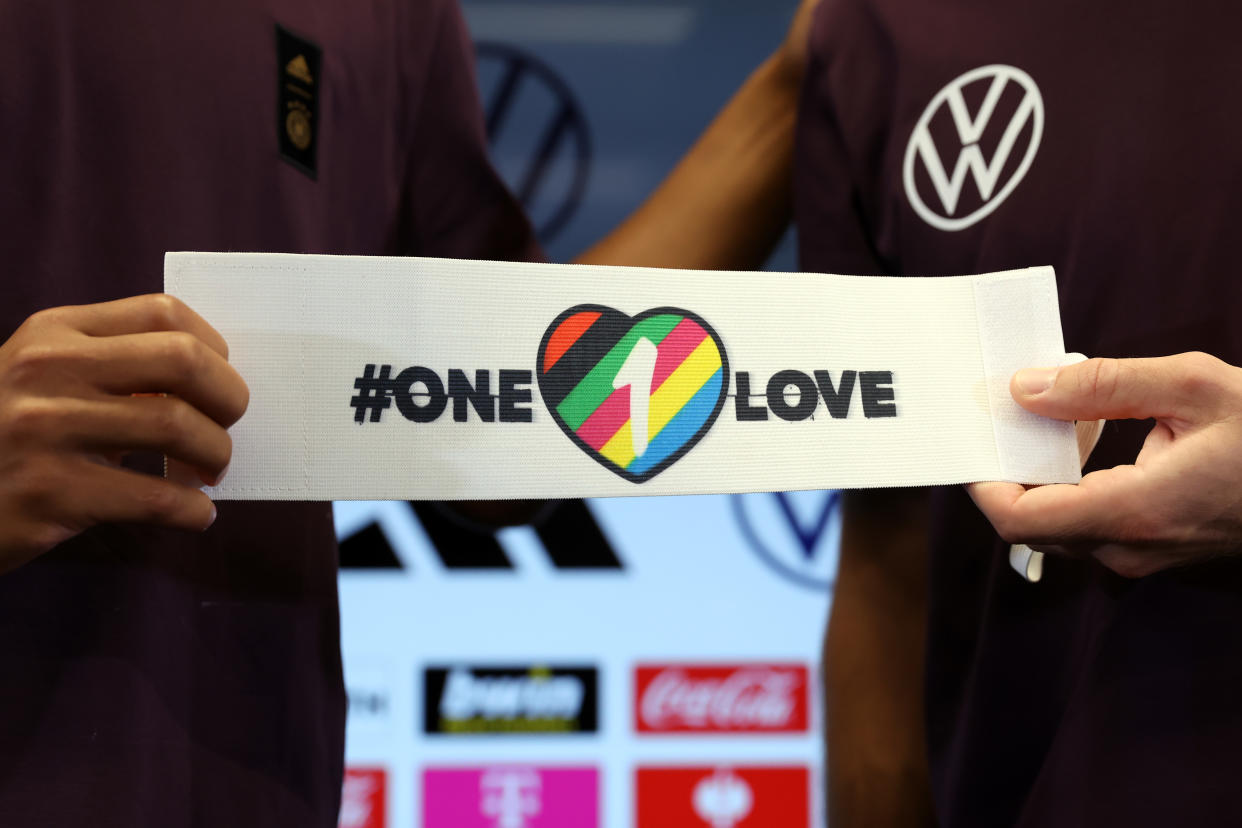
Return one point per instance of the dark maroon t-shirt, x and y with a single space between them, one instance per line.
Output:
1086 699
166 679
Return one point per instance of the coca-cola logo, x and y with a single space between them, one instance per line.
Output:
745 698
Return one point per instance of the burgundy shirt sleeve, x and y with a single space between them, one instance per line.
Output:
832 232
459 206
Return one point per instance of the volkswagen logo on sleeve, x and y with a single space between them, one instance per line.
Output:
984 125
795 533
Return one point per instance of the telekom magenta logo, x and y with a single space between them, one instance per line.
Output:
510 796
994 177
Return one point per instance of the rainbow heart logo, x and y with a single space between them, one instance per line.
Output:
635 393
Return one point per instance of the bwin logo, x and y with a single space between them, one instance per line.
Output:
926 162
795 533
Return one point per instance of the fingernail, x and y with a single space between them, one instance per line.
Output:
1033 381
212 519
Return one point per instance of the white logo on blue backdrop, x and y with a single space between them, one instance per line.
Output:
795 533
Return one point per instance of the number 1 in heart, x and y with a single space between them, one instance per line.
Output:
637 372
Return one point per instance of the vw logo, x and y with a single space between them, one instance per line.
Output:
1012 102
795 533
538 135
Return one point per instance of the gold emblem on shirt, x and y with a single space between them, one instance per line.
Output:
298 126
299 69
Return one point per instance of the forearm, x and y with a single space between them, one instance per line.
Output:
727 202
873 665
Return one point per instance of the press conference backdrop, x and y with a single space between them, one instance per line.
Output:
631 662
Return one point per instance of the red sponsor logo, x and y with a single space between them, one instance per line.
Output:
723 797
734 698
362 799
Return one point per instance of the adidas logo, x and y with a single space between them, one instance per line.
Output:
567 531
299 69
